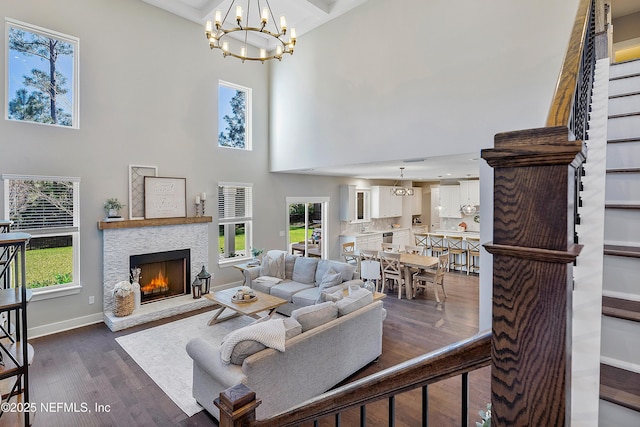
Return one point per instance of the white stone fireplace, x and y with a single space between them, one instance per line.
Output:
124 239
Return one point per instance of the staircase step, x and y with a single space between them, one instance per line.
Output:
624 68
621 115
620 156
622 187
623 140
622 95
624 84
624 170
621 308
620 386
621 206
626 251
624 127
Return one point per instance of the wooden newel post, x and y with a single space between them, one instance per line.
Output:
237 406
533 252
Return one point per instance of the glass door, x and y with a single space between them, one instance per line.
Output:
306 222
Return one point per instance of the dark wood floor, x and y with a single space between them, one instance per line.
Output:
87 368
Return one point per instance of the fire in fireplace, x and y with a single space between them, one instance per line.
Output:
162 274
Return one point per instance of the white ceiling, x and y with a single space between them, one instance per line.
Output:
305 15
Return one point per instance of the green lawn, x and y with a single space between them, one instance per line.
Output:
296 234
46 267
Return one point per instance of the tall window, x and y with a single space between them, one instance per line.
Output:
235 220
46 208
234 116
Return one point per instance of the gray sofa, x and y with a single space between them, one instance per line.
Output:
302 279
313 361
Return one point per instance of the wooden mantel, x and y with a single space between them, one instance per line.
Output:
137 223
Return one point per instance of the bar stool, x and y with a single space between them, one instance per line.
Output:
437 244
422 239
454 243
473 254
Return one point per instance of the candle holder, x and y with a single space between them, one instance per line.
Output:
198 214
202 207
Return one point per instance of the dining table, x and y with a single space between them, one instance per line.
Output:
416 261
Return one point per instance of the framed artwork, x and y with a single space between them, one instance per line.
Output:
165 197
41 80
136 189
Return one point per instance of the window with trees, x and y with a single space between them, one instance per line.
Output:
42 75
234 116
235 221
46 208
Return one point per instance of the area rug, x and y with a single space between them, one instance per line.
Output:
161 353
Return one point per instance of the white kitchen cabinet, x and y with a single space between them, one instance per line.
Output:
402 238
450 201
416 201
470 192
384 204
369 241
355 204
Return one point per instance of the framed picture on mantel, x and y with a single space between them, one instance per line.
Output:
165 197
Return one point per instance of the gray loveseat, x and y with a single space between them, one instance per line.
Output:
302 279
313 362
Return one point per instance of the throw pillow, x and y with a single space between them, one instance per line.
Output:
356 300
312 316
330 278
343 268
327 296
289 261
304 270
273 265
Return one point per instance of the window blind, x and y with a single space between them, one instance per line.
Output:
35 204
234 202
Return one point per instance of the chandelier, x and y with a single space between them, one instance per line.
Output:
256 22
399 190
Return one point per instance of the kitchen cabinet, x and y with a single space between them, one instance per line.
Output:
384 204
355 204
368 241
416 201
402 238
450 201
470 193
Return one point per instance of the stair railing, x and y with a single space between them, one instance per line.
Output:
536 181
237 405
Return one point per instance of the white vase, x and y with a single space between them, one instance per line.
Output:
136 295
113 213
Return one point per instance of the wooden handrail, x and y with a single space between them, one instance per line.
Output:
456 359
562 102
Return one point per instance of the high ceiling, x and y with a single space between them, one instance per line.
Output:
305 15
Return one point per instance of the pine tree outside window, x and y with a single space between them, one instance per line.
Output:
234 116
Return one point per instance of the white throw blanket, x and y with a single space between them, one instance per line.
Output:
270 333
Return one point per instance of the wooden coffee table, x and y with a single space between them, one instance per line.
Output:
223 300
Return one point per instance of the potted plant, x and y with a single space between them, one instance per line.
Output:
112 206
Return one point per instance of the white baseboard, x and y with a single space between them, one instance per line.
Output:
628 366
65 325
78 322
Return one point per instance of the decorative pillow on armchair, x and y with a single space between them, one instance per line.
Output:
273 265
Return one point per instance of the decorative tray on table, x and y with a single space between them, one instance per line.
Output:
243 301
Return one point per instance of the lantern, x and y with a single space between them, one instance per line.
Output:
196 288
205 278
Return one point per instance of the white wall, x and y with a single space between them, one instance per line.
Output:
148 95
416 78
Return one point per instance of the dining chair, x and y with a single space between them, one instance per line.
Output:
417 250
456 250
437 244
349 254
391 270
368 254
473 254
436 277
421 239
390 247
